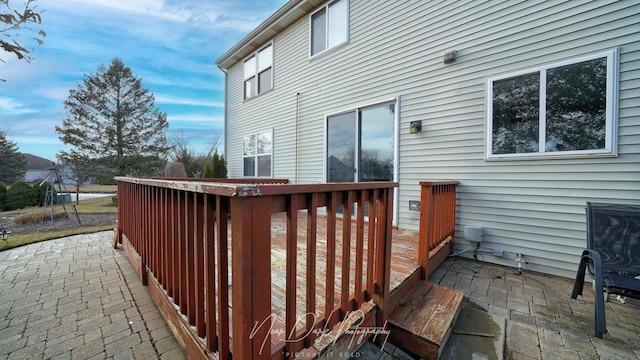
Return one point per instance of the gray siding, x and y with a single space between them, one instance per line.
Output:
535 207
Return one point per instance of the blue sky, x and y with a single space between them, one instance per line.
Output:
171 44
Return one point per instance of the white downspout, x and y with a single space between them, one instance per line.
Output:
396 163
297 121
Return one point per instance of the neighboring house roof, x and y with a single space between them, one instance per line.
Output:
280 20
37 163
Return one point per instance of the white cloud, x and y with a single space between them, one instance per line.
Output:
37 140
195 119
187 101
147 8
171 44
10 106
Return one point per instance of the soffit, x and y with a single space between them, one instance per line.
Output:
280 20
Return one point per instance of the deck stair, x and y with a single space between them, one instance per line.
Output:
424 319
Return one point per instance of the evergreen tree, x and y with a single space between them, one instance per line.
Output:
113 121
13 165
217 168
3 197
21 195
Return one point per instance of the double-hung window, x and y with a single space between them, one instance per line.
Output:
329 26
257 150
258 72
566 109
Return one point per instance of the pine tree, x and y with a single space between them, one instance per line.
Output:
113 121
217 168
13 165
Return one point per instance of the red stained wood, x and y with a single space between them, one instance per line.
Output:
209 286
283 265
222 212
199 224
437 223
190 268
312 221
424 319
330 265
251 247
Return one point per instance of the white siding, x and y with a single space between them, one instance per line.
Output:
535 207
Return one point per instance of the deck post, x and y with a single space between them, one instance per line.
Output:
383 261
251 277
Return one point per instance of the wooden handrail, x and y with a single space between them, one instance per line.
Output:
437 223
184 236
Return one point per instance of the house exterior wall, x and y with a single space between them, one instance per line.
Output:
35 175
395 50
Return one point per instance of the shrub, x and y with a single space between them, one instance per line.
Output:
21 195
3 196
41 191
36 217
217 168
114 199
106 180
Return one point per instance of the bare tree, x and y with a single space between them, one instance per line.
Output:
13 23
194 163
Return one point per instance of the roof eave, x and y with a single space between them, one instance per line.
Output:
286 15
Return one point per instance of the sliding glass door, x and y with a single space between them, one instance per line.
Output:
341 147
360 144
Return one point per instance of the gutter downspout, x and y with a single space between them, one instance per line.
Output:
225 115
396 163
297 121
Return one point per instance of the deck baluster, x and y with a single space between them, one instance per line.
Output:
176 232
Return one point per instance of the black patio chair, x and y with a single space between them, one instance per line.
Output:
612 257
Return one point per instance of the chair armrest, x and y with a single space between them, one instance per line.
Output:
588 257
593 257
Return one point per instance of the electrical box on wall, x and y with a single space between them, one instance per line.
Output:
414 205
473 233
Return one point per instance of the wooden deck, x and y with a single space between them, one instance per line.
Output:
404 269
425 313
266 271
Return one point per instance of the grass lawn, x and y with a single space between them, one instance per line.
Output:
101 205
93 188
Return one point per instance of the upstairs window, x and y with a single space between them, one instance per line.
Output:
565 109
257 149
258 72
329 26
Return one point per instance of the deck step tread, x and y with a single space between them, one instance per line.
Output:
425 318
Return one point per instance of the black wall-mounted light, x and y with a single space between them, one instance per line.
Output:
415 126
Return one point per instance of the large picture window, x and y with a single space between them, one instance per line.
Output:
565 109
329 26
258 72
257 151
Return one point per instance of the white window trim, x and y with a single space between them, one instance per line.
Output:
256 155
257 70
328 49
611 146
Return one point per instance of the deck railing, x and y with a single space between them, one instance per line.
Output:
437 223
185 237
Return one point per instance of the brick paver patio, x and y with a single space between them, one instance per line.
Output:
78 298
